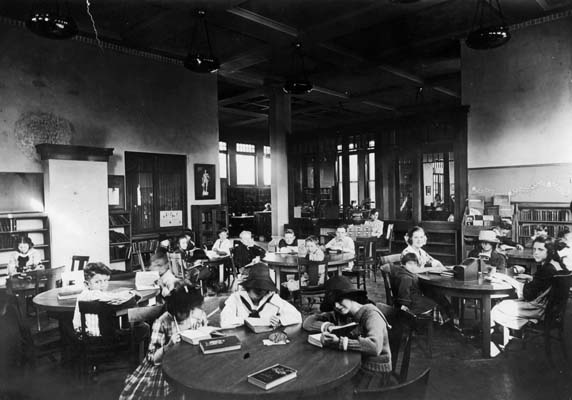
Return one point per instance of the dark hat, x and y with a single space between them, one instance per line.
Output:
259 278
337 288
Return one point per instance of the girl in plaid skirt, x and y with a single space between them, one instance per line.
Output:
183 312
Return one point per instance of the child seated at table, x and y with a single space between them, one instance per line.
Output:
408 294
166 282
487 251
25 258
343 303
288 244
183 312
96 277
258 300
313 253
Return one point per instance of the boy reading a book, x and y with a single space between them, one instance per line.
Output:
96 277
183 312
258 300
343 303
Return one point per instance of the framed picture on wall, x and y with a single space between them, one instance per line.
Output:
116 191
205 179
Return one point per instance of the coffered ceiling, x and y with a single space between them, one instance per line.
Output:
368 60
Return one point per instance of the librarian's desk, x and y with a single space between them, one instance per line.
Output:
283 263
224 375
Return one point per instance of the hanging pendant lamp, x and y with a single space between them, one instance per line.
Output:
196 60
50 22
489 29
298 83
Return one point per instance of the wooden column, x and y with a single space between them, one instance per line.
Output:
279 127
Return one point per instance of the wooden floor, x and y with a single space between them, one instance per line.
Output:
457 370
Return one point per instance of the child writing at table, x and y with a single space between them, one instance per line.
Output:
25 258
258 300
183 312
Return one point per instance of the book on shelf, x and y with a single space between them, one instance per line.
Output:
70 292
220 344
194 336
258 325
272 376
315 339
145 280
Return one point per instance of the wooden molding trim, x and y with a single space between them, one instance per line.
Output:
50 151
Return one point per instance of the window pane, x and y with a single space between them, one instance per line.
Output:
371 165
340 183
353 169
354 191
405 200
267 165
245 170
222 163
439 186
372 194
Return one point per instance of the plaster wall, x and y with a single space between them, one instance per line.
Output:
83 95
519 96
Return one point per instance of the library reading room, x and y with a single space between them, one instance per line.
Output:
253 199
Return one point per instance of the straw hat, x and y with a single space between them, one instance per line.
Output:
488 236
259 278
337 288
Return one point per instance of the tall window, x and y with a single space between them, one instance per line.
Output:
405 188
156 190
371 173
223 159
439 186
267 166
339 168
245 164
354 188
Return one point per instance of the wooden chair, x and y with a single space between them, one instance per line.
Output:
140 321
552 326
32 346
106 349
81 261
364 261
383 247
415 389
314 288
421 322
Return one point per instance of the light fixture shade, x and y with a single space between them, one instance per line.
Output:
200 63
487 38
52 26
301 86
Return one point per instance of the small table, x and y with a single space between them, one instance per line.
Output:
49 301
522 257
288 263
479 289
224 375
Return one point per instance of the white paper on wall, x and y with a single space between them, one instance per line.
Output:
170 218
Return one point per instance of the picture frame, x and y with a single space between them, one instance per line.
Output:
116 192
427 190
205 181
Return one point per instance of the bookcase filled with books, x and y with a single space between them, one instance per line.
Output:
554 216
120 239
33 225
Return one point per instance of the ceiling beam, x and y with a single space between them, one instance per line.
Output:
243 113
243 96
247 59
262 20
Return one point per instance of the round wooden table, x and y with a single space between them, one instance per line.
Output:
478 289
49 301
284 263
224 375
522 257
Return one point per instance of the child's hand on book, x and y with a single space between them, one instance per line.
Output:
329 339
275 321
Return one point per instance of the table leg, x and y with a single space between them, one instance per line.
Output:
486 304
277 277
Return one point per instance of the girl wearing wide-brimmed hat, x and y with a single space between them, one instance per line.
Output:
344 303
258 300
488 242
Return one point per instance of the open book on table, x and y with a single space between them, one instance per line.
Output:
145 280
193 336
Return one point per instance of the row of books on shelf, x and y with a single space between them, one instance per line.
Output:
7 225
117 237
118 219
544 215
553 230
145 246
120 252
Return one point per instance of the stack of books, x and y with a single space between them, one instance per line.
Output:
219 345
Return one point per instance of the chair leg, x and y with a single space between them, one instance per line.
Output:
506 336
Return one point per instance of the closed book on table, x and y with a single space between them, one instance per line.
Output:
70 292
315 339
194 336
219 345
272 376
258 325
